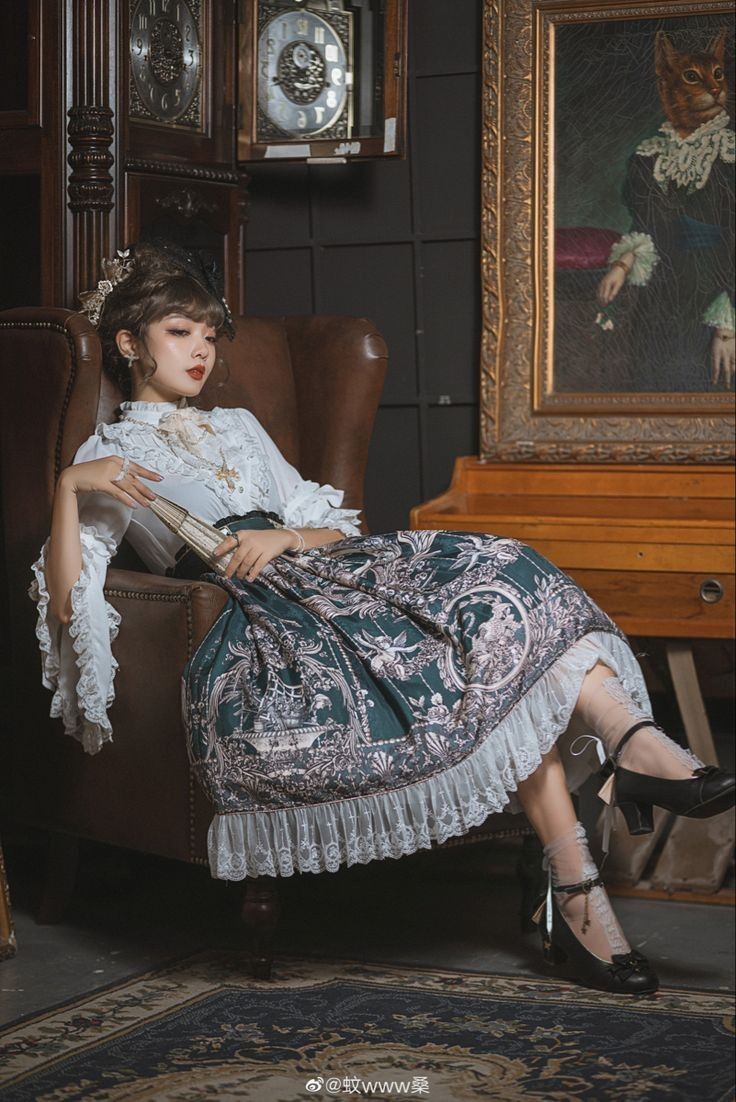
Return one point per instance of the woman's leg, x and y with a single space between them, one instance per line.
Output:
607 709
546 802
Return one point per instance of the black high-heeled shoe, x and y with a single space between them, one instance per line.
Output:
625 974
709 791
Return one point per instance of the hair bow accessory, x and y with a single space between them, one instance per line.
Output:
115 270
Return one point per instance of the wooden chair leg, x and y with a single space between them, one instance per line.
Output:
61 873
532 879
8 944
261 912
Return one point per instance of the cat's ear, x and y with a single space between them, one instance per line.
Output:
718 46
664 53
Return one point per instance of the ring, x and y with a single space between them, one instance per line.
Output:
236 537
123 471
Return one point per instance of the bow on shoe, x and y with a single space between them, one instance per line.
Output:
629 964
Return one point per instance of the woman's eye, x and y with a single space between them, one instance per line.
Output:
179 332
212 340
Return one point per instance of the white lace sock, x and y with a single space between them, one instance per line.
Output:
590 916
605 706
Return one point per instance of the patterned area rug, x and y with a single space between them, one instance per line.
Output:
202 1028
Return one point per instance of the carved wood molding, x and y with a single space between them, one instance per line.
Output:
90 186
186 203
190 172
511 430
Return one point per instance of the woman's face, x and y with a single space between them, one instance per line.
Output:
184 352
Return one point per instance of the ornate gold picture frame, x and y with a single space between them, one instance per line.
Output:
533 406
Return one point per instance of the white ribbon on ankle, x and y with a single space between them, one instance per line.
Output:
548 901
609 815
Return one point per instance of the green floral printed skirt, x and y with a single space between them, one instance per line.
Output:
370 696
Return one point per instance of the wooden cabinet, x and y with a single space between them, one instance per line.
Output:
653 545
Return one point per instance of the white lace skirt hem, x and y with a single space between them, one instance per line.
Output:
322 837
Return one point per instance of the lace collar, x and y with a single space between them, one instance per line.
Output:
149 412
687 162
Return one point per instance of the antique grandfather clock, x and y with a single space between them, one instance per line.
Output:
128 118
178 128
118 119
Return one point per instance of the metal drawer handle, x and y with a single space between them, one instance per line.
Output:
711 591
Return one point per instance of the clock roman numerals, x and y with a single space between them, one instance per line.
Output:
165 60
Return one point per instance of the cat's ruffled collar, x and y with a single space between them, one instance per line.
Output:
687 162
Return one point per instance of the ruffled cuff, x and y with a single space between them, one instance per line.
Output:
645 257
315 506
721 314
76 658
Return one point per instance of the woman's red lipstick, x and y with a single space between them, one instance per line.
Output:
196 372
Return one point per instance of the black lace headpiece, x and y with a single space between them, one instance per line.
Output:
188 261
206 273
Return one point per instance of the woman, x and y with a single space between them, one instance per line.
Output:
358 696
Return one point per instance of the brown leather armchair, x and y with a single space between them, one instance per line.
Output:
314 383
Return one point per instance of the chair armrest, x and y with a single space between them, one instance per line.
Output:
140 791
147 601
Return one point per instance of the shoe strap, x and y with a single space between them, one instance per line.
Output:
584 886
629 734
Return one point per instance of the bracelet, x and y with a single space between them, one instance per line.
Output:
300 546
620 264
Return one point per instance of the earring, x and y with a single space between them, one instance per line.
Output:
131 359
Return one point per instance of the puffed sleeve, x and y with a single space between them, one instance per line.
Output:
304 504
77 662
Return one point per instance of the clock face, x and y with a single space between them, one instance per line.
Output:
166 61
304 74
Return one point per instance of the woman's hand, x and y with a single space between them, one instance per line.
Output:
610 285
723 355
102 476
252 549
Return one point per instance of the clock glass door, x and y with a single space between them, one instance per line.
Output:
321 78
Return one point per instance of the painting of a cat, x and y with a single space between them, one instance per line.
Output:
664 303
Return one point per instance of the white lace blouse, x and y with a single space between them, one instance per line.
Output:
215 464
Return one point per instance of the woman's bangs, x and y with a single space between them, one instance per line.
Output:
184 296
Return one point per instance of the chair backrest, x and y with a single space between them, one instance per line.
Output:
314 383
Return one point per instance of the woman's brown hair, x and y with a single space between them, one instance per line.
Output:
156 288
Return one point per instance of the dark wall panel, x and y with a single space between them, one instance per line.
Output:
362 202
278 208
376 281
451 431
445 36
279 282
447 128
393 482
451 318
395 241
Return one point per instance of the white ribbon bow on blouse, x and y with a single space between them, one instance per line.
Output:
187 426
